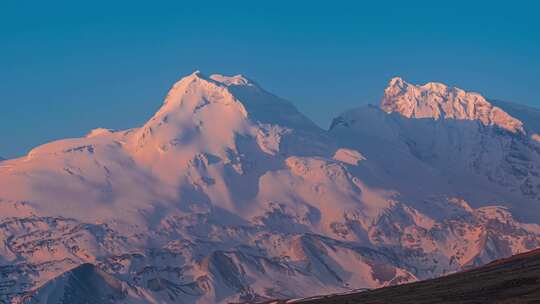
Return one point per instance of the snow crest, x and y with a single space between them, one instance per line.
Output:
438 101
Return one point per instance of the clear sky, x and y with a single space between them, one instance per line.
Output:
68 67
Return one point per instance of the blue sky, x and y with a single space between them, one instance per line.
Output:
67 67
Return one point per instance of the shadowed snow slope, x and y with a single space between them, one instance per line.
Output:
83 284
511 280
228 193
528 115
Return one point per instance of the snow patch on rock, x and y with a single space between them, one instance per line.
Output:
348 156
237 80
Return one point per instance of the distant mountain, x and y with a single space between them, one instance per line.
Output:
512 280
229 193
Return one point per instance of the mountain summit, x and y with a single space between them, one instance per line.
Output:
438 101
229 193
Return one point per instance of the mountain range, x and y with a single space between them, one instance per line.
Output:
229 194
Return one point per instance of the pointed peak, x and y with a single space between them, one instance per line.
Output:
196 73
75 282
397 85
193 91
396 82
219 103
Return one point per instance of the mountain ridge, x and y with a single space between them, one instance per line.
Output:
436 100
510 280
229 193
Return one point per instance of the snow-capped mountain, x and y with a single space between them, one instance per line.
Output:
483 160
228 193
438 101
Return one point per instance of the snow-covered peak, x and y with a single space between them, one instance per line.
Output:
218 80
194 76
210 114
397 82
99 132
236 80
438 101
197 93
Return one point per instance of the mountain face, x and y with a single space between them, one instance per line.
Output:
480 160
529 116
83 284
228 193
511 280
437 101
